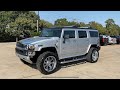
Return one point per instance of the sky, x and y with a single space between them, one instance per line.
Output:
81 16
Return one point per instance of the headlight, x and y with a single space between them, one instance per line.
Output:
31 47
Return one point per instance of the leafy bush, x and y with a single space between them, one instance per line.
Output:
6 37
10 35
34 34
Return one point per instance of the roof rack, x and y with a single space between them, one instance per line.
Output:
85 27
73 27
77 27
65 26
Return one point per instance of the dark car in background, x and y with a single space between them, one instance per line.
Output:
103 40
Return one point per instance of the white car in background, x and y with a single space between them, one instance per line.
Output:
111 40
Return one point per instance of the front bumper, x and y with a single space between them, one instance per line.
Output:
25 58
24 54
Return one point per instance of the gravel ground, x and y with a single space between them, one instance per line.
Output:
107 67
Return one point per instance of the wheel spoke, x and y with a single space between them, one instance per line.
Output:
45 64
52 63
50 67
46 68
49 63
94 55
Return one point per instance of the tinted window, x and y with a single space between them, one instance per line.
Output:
70 33
93 33
82 34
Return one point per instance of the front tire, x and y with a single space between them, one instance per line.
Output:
92 55
47 63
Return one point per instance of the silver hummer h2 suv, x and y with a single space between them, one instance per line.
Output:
59 45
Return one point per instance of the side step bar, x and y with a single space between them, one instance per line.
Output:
73 60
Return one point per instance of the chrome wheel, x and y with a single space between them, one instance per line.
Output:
95 55
50 63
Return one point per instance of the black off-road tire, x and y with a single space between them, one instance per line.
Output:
89 55
40 61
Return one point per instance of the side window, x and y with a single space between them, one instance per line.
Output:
82 34
70 33
93 34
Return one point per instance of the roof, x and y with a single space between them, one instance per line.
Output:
73 27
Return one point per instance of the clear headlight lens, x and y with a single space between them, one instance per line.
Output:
31 47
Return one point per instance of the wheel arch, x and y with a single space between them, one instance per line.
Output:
37 53
93 45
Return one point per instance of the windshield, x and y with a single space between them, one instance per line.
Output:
51 33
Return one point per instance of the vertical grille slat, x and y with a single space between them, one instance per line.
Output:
22 52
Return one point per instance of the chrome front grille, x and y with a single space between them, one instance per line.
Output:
21 52
21 49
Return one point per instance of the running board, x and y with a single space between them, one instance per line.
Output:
73 60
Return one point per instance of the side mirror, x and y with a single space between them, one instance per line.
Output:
65 37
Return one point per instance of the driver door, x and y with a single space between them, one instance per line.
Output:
69 45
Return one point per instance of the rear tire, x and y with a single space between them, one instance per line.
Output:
47 63
92 55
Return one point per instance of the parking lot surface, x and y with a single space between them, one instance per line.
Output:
107 67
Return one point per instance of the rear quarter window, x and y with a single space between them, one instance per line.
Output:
94 34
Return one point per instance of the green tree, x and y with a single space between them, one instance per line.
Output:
12 23
99 27
73 23
112 28
82 24
61 22
45 24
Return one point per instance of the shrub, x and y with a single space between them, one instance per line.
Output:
34 34
10 35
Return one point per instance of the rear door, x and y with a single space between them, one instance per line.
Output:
94 37
82 42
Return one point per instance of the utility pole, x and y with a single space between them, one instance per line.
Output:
38 22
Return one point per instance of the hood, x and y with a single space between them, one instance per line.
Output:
33 39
